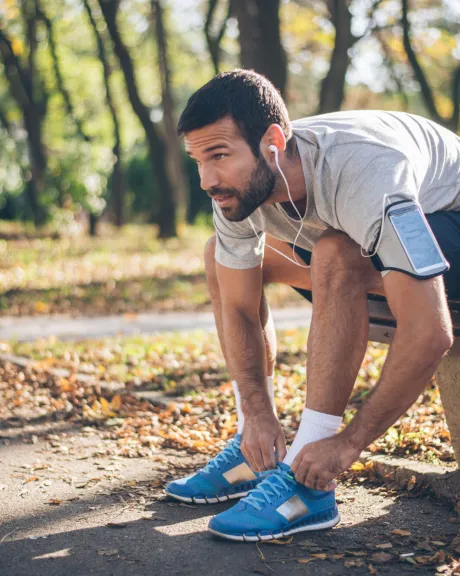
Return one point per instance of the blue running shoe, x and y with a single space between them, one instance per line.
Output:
225 477
277 507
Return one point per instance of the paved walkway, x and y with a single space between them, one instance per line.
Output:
30 328
67 508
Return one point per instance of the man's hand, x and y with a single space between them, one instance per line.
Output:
318 463
262 432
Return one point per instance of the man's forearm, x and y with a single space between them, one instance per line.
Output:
245 349
407 370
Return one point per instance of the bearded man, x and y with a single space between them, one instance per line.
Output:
338 206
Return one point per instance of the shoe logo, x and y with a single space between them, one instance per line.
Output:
239 474
293 509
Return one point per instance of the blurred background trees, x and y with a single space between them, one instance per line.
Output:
90 90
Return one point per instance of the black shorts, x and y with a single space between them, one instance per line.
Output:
446 228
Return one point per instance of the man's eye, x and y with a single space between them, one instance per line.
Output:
220 156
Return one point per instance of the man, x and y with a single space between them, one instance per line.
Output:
322 194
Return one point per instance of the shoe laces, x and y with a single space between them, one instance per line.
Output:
273 486
230 452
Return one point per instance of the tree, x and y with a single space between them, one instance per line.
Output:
260 39
48 22
117 180
214 40
332 90
157 148
175 157
451 122
28 90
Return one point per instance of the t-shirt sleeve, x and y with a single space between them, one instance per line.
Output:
361 187
237 245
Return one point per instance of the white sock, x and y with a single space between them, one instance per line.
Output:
314 426
271 395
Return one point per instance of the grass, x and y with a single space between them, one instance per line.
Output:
122 271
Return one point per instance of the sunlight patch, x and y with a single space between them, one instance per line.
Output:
58 554
183 528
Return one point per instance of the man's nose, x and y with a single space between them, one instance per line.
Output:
209 178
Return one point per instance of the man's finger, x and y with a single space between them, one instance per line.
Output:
280 447
258 460
301 472
311 479
248 456
268 456
324 484
296 463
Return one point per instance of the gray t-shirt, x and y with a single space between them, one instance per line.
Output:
350 161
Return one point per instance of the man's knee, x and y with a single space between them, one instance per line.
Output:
336 260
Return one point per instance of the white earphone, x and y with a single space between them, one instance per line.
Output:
274 149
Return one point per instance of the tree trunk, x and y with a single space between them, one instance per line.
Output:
175 156
27 91
117 179
167 208
451 123
58 74
260 39
93 222
333 86
213 41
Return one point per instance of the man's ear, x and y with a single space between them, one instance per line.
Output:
274 136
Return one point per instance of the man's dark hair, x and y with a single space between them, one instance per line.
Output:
247 97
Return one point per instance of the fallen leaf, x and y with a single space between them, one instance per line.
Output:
381 557
108 552
32 479
308 544
412 483
280 542
372 570
384 546
352 563
55 502
305 560
321 556
423 559
439 557
116 403
398 532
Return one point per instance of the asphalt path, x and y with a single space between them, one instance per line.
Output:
29 328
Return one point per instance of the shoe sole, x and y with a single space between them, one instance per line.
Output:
266 537
205 500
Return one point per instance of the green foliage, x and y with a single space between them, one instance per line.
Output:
78 175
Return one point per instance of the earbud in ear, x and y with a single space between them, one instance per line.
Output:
273 148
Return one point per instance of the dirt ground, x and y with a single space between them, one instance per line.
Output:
66 508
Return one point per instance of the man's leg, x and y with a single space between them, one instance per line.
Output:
341 279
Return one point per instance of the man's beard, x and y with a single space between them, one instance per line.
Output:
256 192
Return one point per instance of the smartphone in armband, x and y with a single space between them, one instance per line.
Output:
408 243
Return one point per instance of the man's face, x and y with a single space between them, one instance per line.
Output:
229 172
